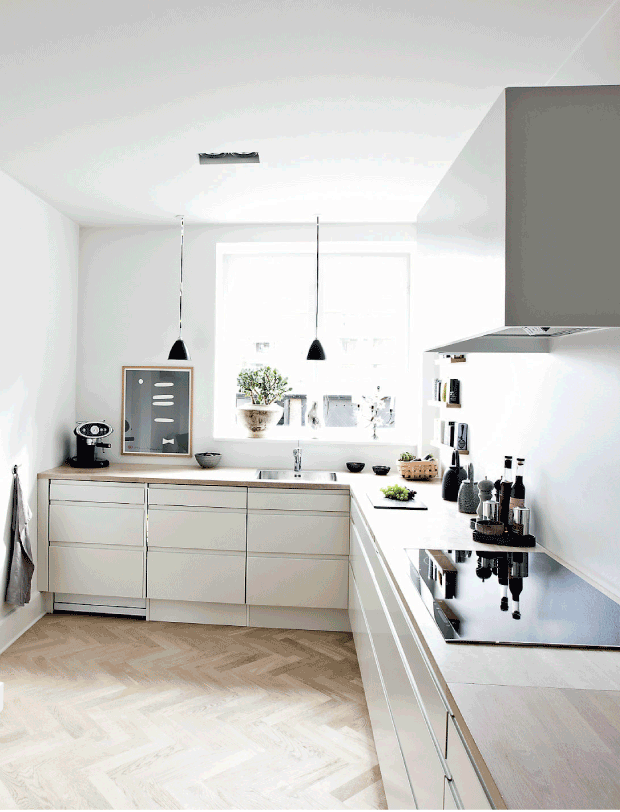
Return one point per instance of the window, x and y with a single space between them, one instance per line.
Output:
265 312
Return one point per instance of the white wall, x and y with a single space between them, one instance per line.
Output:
128 298
38 339
559 411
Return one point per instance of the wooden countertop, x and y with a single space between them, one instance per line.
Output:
548 736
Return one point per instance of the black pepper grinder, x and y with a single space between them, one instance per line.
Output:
452 479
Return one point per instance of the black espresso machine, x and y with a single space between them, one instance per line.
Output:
89 436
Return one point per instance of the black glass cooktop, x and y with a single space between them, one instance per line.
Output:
515 598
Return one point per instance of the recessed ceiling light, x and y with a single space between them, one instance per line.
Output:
228 157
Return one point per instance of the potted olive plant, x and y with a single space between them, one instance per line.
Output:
264 386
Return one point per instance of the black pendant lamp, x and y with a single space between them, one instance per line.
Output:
179 350
316 351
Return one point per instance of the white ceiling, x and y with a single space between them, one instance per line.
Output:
357 108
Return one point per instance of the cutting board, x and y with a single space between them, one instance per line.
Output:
378 500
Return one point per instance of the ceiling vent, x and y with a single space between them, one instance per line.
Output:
228 158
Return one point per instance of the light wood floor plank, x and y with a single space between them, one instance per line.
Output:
115 713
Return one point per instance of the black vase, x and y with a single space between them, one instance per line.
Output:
452 479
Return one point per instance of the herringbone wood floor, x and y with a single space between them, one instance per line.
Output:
115 713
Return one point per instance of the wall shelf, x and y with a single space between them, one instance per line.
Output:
443 403
434 444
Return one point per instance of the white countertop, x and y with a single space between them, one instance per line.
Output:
547 679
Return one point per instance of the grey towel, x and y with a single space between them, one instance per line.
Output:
22 563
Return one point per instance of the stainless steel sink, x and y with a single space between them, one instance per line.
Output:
293 476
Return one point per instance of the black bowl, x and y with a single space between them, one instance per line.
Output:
381 470
356 467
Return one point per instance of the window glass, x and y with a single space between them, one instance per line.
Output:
266 315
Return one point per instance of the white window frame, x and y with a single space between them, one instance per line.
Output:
406 427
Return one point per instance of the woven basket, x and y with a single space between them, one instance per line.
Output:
418 469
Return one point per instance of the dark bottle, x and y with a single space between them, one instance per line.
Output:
504 492
452 479
517 493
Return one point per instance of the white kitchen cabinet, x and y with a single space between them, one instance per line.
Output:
450 800
398 792
297 532
306 499
68 490
181 575
419 747
197 528
466 780
298 544
310 582
97 524
89 570
432 698
198 496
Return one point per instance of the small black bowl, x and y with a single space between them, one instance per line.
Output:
356 467
381 470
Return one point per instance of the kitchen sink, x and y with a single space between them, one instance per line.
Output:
295 476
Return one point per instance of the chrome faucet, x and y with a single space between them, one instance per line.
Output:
297 458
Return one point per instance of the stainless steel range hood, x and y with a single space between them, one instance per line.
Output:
521 235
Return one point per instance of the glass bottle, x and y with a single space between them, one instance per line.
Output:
517 493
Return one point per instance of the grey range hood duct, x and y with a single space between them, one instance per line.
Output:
521 236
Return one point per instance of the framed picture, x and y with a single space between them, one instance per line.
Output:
157 411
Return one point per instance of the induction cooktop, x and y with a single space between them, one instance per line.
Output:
512 598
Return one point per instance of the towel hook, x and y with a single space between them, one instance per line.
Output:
15 467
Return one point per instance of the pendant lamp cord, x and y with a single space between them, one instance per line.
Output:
181 283
316 321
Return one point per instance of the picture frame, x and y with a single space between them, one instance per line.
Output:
157 411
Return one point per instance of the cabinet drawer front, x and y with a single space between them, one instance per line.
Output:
466 781
97 524
179 576
432 699
91 571
186 495
76 491
196 528
298 533
426 770
450 800
396 784
298 499
274 581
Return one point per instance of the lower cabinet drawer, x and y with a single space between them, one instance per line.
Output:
70 490
421 754
449 796
188 576
275 532
196 528
315 583
432 700
97 524
92 571
466 781
393 771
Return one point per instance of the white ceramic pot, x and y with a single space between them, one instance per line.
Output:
259 419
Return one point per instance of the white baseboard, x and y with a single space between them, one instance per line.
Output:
12 626
218 614
295 617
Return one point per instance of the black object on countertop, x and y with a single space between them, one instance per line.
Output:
381 470
452 479
551 605
378 500
355 467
